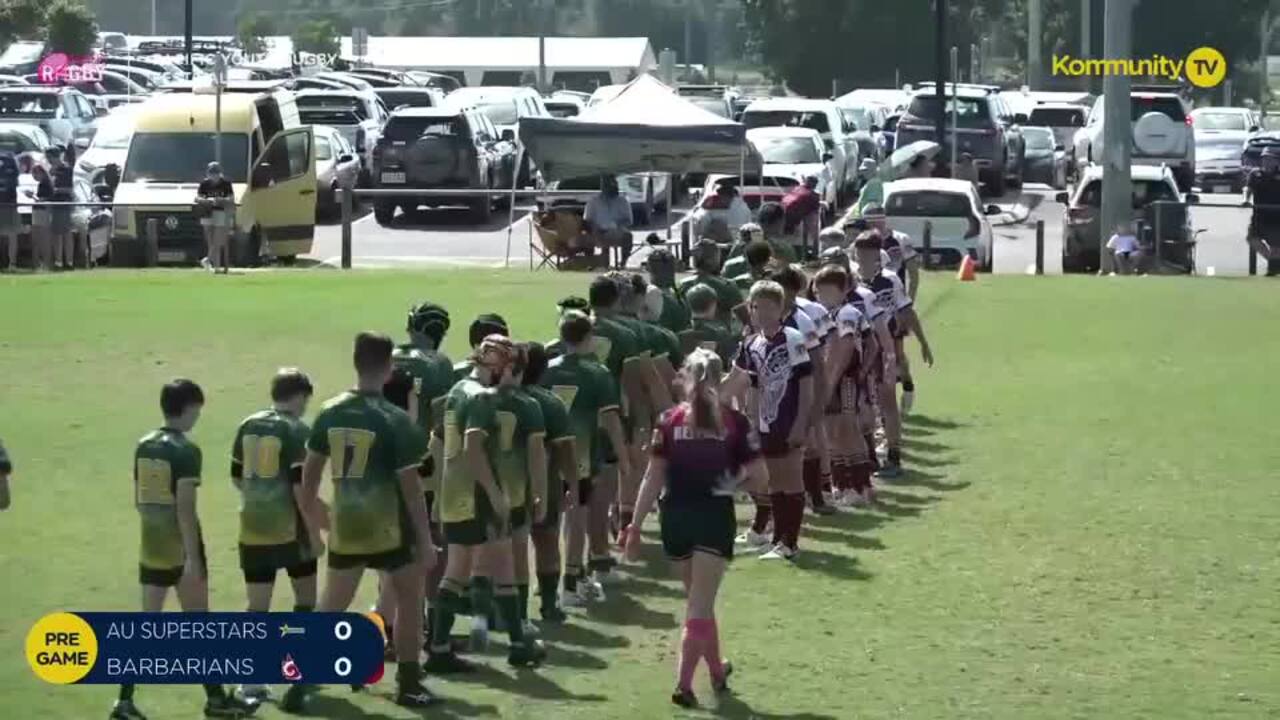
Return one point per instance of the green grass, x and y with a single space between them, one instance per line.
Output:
1088 531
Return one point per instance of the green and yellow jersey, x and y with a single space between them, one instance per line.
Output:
462 409
433 376
266 458
517 419
162 459
669 344
616 344
675 316
555 418
368 442
712 335
728 296
588 390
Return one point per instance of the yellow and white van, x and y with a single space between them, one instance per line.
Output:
267 154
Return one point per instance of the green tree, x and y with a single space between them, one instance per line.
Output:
72 27
21 20
316 36
251 31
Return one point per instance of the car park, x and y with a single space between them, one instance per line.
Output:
820 115
440 148
109 145
755 190
337 168
1251 157
505 107
357 114
317 83
396 77
1220 137
795 152
1064 119
394 98
982 131
87 220
22 57
959 223
868 120
712 98
18 138
267 154
351 81
564 106
1082 234
1047 160
1162 134
63 113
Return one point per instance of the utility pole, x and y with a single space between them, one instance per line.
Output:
153 17
688 40
1264 80
1035 28
1086 36
1117 142
940 68
186 35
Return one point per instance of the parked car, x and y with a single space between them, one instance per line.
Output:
1220 135
820 115
562 106
957 217
712 98
1251 157
1082 234
755 190
22 57
317 83
395 98
86 221
7 80
63 113
1161 131
868 120
440 81
351 81
109 145
434 148
982 131
1047 160
337 167
18 138
397 77
795 152
358 115
505 107
1064 119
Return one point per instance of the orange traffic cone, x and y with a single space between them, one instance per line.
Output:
968 270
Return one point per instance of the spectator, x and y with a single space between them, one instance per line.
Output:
9 222
216 196
41 219
802 203
1124 245
60 170
966 169
725 213
608 218
873 191
773 221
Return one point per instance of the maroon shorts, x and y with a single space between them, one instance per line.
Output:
844 399
775 445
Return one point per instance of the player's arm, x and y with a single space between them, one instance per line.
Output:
237 459
189 523
650 487
611 421
818 376
416 503
839 354
633 380
536 458
910 320
307 493
657 389
6 469
913 274
478 467
565 453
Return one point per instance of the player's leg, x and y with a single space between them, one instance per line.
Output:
690 648
888 404
193 596
405 575
575 543
451 601
816 455
520 570
756 537
700 640
155 587
340 585
599 559
546 556
259 570
904 376
524 651
386 607
786 487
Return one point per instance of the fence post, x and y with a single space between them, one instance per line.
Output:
1159 264
346 227
1040 247
1253 259
928 245
151 250
685 233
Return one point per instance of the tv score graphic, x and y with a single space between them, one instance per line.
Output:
213 647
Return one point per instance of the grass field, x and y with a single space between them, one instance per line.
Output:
1088 531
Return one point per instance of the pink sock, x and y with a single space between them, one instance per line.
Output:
692 646
712 654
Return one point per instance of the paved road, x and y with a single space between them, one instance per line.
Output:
1220 251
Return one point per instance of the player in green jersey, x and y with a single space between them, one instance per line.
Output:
706 331
166 473
706 265
591 394
266 467
561 495
482 327
661 265
492 439
379 518
6 469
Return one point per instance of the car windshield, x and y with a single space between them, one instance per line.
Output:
1220 121
859 117
1145 192
1057 117
928 203
334 102
789 150
786 118
710 103
21 53
561 109
42 105
401 98
324 151
969 111
182 157
113 133
408 129
16 142
499 112
1038 138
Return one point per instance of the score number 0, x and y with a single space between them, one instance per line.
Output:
342 631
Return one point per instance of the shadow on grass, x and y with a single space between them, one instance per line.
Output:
930 481
837 565
732 707
571 634
525 683
856 521
924 421
905 498
926 461
640 586
620 609
331 705
857 542
920 446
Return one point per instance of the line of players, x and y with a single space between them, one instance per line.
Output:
443 475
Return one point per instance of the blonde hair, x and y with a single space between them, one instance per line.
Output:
702 371
767 290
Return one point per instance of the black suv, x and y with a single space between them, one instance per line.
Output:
438 148
987 131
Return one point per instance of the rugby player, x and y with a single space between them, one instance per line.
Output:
6 470
700 450
590 392
706 265
751 266
706 331
561 495
266 467
775 363
903 261
379 520
661 265
166 474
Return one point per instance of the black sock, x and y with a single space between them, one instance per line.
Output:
446 606
504 597
571 575
126 692
870 440
600 564
522 600
908 386
895 456
408 675
430 622
547 583
304 608
214 692
482 598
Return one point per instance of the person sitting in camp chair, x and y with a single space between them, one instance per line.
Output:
608 219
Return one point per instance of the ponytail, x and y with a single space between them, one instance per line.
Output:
702 371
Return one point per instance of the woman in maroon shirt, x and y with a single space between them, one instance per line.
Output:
700 451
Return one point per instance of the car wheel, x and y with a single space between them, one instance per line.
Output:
124 253
288 260
246 251
384 211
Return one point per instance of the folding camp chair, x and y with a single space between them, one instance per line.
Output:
556 231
